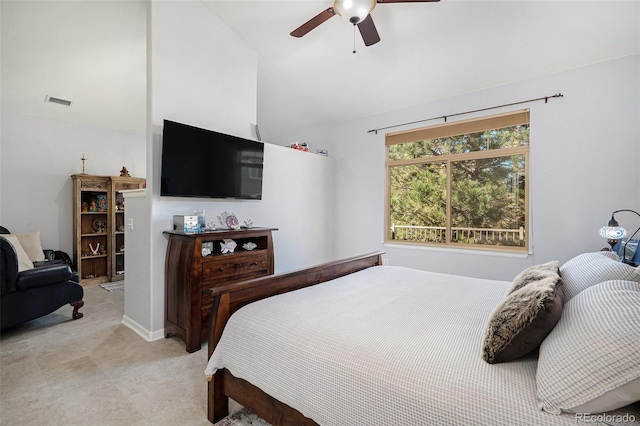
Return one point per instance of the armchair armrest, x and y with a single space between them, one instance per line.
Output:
47 275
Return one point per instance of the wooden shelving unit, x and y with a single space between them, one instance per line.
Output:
98 222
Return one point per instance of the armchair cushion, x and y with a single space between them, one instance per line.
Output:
24 263
30 242
39 277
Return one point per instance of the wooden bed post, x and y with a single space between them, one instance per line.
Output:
218 404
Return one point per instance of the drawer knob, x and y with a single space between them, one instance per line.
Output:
221 269
254 263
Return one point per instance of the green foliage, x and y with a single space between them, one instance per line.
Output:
418 196
487 193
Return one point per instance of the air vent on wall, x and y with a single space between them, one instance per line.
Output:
57 101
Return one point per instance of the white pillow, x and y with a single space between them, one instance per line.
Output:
590 361
24 262
588 269
30 242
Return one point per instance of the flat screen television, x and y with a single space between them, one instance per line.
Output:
202 163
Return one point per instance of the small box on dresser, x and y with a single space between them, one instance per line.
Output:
186 223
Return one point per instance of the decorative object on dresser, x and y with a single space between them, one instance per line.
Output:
229 220
228 246
249 246
98 222
195 264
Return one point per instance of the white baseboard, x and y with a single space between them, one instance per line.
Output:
141 331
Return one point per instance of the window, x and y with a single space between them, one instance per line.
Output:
461 184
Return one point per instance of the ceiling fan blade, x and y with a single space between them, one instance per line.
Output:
313 22
368 31
406 1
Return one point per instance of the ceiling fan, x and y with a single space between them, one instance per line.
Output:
356 12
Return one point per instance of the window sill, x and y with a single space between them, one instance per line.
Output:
495 253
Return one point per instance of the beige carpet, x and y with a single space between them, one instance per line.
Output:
95 371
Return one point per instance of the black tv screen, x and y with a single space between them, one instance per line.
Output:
202 163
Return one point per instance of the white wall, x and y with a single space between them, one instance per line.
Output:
584 156
78 51
203 74
41 154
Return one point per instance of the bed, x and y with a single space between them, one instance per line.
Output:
378 344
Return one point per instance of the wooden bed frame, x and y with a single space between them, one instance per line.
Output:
228 299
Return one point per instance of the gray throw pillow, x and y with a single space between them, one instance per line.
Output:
534 273
590 362
523 319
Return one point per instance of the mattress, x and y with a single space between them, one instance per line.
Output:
386 345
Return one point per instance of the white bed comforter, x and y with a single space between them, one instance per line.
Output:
384 346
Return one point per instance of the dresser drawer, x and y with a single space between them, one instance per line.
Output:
236 266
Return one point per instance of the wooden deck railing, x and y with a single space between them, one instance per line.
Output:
437 234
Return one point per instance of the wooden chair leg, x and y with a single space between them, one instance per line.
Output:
77 305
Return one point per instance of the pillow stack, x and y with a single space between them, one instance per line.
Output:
590 362
529 311
589 346
28 248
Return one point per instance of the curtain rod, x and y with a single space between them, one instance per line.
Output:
545 98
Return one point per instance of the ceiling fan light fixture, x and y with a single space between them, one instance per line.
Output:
354 11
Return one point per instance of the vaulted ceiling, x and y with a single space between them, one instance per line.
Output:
428 51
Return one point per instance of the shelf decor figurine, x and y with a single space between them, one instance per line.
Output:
248 223
119 201
249 246
228 245
124 172
99 226
94 251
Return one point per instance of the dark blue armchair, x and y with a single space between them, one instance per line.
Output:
36 292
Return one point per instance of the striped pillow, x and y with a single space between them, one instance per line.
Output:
590 361
588 269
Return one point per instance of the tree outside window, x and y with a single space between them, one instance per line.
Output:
461 184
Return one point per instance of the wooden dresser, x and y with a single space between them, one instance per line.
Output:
189 274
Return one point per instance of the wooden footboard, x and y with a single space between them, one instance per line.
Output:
228 299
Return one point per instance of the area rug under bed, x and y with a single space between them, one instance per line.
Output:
118 286
242 417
